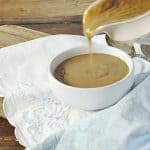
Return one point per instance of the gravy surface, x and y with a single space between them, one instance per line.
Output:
106 69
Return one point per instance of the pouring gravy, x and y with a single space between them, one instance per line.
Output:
111 11
96 70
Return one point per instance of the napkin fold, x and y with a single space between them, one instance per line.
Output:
42 121
124 126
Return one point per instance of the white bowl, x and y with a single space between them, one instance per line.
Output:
91 98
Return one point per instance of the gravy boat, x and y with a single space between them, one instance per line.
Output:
128 30
125 34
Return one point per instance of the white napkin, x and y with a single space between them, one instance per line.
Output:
29 104
124 126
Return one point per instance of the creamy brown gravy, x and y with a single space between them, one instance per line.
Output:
76 71
110 11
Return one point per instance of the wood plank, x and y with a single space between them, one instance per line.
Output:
11 34
1 108
57 28
41 11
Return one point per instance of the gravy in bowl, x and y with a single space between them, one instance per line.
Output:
76 71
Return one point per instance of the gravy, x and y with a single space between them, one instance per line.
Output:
106 69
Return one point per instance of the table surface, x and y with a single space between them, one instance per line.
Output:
7 138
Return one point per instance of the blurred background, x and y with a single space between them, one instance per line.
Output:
50 16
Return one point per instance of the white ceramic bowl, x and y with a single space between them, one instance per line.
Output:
91 98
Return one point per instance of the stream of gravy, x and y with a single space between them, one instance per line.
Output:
111 11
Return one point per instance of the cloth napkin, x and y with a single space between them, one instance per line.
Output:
42 121
124 126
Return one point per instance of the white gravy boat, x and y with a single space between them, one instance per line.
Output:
126 33
127 30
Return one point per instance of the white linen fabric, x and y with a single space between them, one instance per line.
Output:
124 126
29 104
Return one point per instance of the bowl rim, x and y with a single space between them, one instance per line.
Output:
131 69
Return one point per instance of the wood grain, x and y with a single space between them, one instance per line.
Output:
11 34
7 138
1 108
41 11
57 28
